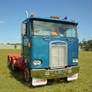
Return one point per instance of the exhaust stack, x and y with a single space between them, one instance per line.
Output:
26 14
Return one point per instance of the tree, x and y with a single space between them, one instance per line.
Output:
88 45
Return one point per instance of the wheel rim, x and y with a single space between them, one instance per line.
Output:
27 75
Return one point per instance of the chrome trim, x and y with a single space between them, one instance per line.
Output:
66 52
58 41
54 73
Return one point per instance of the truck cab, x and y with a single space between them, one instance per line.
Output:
49 49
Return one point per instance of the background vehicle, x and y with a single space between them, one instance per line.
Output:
49 50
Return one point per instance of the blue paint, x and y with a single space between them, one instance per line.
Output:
40 46
40 50
53 19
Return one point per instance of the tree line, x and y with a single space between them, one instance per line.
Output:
86 45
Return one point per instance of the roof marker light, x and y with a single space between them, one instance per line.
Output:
58 17
52 16
55 16
73 20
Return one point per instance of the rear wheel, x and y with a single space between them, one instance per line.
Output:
12 65
9 64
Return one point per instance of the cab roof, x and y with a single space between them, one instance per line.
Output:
49 20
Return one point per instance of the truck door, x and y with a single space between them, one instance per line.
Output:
72 39
25 40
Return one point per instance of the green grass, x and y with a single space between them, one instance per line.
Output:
14 82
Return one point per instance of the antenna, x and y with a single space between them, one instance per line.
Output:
26 14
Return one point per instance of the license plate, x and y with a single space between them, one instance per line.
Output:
58 71
37 82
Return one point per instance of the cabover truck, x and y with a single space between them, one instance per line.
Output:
49 50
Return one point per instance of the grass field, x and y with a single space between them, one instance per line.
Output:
13 82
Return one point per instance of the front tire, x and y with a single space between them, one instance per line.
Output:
27 71
27 74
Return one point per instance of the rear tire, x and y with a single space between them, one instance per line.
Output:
12 65
9 64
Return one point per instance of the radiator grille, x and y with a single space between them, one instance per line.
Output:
58 56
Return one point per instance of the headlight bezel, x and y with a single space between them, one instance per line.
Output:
37 62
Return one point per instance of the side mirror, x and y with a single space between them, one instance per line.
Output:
24 30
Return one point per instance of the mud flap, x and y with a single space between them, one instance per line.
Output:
73 77
38 82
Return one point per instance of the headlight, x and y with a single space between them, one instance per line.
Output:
75 60
36 62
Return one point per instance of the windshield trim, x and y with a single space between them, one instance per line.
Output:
32 28
54 20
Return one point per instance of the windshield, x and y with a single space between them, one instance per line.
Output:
42 28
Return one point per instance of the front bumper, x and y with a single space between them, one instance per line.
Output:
54 73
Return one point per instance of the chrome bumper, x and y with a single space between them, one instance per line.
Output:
55 73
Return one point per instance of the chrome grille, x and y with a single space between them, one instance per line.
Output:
58 55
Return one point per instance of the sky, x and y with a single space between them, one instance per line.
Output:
12 13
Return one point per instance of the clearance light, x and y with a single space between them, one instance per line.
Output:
58 17
52 16
32 14
73 20
55 16
29 45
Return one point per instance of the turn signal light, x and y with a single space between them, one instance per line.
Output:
29 45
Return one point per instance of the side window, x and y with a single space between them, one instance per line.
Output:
24 29
70 32
31 28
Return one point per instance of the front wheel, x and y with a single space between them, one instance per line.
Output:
27 74
27 71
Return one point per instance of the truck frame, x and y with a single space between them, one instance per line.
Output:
49 50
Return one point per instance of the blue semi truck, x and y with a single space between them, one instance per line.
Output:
49 49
